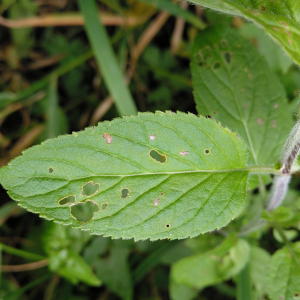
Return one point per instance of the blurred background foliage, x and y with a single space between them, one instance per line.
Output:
51 84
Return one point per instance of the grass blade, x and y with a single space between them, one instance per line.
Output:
177 11
106 59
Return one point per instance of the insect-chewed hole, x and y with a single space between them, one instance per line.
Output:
124 193
50 170
297 295
227 57
168 225
217 65
206 151
68 199
84 212
104 206
158 157
90 188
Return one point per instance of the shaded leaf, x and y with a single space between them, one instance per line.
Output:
280 19
284 274
212 267
183 175
233 84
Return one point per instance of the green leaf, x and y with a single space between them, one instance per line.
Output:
212 267
63 246
259 260
234 84
114 270
273 53
284 274
280 19
156 176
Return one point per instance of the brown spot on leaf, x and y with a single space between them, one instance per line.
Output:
288 33
245 105
276 105
284 24
273 123
262 8
275 28
107 137
289 41
260 121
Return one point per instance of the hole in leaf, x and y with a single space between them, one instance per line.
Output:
224 43
297 295
227 57
262 8
124 193
158 157
104 205
168 225
51 170
156 201
107 137
200 64
84 212
68 199
208 117
217 65
206 151
90 188
152 137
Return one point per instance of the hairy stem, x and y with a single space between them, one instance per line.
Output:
289 154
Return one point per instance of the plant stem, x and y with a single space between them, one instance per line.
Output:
21 253
289 154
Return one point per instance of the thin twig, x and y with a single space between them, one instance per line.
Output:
73 19
178 30
25 267
101 110
145 39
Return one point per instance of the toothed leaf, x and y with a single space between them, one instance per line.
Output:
154 176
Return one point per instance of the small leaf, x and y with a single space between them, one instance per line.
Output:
280 19
212 267
284 274
259 259
134 193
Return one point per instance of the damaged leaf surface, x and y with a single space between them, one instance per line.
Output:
174 197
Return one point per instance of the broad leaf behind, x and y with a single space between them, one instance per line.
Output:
153 176
280 19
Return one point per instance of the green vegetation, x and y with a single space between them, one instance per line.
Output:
194 197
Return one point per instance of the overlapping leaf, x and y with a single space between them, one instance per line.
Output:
284 274
214 266
154 176
280 19
234 84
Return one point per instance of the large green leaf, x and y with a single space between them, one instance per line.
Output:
234 84
217 265
280 19
162 175
284 274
